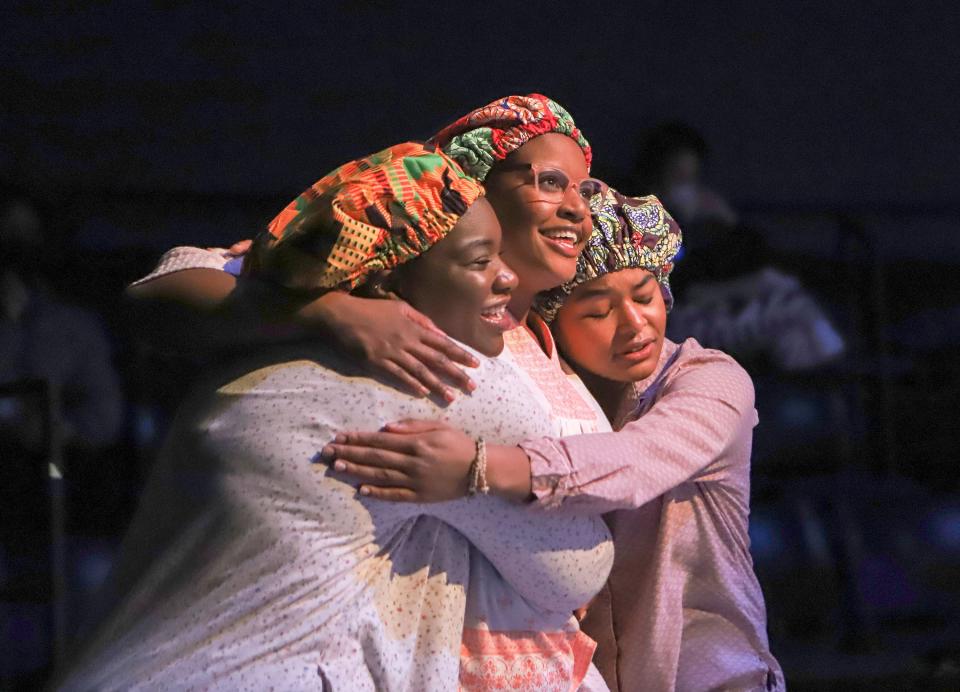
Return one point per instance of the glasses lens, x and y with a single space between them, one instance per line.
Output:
590 187
552 183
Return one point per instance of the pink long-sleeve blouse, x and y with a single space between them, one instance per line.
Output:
682 609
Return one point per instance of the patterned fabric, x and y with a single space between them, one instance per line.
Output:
373 213
516 661
489 134
628 233
567 396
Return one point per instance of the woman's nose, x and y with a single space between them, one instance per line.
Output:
573 207
632 317
506 279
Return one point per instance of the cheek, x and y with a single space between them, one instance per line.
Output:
584 341
464 291
657 316
517 217
476 287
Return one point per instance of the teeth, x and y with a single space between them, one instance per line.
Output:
494 313
561 235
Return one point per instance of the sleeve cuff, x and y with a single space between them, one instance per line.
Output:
552 480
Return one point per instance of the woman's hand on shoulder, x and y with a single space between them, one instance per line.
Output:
409 461
392 337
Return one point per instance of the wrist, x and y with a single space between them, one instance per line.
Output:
477 474
508 473
321 313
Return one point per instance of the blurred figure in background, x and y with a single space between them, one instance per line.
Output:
734 299
43 338
46 346
670 165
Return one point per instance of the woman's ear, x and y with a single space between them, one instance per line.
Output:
382 283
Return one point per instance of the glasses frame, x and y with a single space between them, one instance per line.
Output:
552 198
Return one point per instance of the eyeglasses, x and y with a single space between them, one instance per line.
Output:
551 184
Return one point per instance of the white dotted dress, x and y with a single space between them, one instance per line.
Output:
248 566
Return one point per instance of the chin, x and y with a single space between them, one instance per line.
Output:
640 371
561 272
491 350
629 373
487 344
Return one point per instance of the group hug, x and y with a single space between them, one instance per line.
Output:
446 444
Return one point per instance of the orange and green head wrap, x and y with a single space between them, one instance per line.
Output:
628 233
489 134
370 214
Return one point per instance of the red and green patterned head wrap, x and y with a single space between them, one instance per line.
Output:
370 214
628 233
489 134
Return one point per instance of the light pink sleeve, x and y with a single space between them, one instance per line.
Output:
703 411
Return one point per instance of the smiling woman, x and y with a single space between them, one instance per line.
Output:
250 566
451 282
539 191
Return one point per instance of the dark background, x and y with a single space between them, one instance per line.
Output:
832 127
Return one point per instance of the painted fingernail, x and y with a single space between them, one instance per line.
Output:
449 395
339 466
472 386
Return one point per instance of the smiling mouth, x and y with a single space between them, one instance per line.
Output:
496 315
565 239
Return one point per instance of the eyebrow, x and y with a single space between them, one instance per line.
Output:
479 242
601 291
643 283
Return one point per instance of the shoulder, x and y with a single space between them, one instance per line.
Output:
712 373
186 257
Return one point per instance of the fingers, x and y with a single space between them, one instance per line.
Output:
421 374
387 442
440 365
368 456
442 343
412 426
407 381
371 475
389 494
241 247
